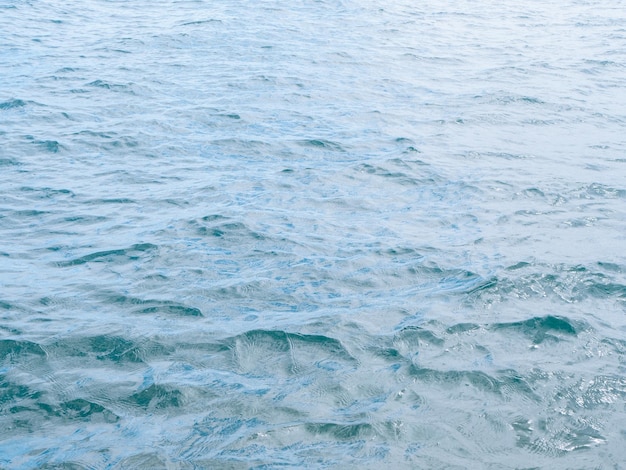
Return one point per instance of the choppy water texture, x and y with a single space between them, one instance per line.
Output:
353 234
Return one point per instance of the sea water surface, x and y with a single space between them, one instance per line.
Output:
312 234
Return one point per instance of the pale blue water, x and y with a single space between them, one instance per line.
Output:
310 234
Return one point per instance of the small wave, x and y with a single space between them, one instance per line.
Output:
447 378
561 441
322 144
30 213
82 220
462 328
341 431
12 104
80 409
67 70
612 267
271 351
102 347
234 228
144 460
403 173
115 87
505 384
569 283
151 306
415 336
132 253
172 309
47 193
9 162
157 397
499 155
509 98
466 282
199 22
13 350
220 227
113 200
51 146
541 328
601 190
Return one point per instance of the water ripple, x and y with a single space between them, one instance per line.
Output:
312 234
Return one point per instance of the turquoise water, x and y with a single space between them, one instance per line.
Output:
312 234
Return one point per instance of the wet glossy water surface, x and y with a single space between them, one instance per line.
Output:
312 234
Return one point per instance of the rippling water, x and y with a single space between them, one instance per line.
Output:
312 234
